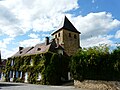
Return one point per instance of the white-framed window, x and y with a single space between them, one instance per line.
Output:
20 74
31 62
12 62
26 77
39 77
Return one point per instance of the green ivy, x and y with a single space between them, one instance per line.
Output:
48 64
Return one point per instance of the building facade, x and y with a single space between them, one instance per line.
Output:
65 42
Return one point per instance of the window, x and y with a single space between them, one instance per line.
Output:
39 77
21 74
20 52
75 36
38 49
12 62
31 62
69 34
11 74
17 74
55 36
58 34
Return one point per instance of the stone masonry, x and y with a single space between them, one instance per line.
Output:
69 40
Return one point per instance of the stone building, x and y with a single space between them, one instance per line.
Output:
68 37
66 42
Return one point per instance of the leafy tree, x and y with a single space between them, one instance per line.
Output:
96 63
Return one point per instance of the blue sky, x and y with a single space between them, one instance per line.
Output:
27 22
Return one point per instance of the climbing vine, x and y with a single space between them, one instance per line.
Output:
48 64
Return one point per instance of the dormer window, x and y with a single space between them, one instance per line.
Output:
38 49
20 52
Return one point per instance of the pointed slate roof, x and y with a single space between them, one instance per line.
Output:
68 26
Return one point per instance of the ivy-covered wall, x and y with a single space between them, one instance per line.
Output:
50 65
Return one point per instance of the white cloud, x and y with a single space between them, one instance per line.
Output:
5 53
95 24
5 42
95 41
117 35
29 42
3 47
22 15
46 35
9 23
33 35
94 27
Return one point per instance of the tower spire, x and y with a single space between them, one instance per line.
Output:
66 24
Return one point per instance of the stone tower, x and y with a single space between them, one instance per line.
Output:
68 37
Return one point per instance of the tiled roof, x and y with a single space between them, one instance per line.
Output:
68 26
22 52
39 48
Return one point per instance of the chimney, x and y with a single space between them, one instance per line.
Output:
46 40
20 48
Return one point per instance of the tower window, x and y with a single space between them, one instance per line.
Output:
69 34
58 34
55 36
75 36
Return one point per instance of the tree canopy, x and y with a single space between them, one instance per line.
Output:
96 63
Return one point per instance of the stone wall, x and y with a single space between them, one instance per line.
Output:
97 85
70 43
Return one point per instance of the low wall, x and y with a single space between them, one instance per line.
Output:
97 85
